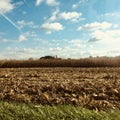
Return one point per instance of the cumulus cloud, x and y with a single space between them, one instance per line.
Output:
96 26
102 32
49 27
48 2
106 37
6 6
73 16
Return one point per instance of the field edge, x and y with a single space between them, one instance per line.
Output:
20 111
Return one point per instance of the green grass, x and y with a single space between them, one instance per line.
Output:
20 111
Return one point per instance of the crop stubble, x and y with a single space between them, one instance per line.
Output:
92 88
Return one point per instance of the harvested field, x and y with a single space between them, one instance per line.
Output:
92 88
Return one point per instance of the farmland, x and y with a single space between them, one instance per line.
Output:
91 88
85 62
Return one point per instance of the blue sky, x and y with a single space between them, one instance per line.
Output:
66 28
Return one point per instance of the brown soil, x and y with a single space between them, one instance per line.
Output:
92 88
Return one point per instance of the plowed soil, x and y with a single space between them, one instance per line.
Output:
92 88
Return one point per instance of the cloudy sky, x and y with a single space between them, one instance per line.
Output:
67 28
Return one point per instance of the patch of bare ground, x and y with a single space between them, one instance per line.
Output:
92 88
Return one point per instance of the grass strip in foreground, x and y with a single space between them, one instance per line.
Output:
21 111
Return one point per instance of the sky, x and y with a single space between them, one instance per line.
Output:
66 28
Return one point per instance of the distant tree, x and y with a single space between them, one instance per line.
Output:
48 57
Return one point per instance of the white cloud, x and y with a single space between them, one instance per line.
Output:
4 40
109 37
76 5
56 49
38 2
31 35
113 52
73 16
77 43
50 48
52 2
21 23
48 32
96 26
6 6
98 34
54 15
49 27
37 52
22 38
48 2
30 24
20 53
111 15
